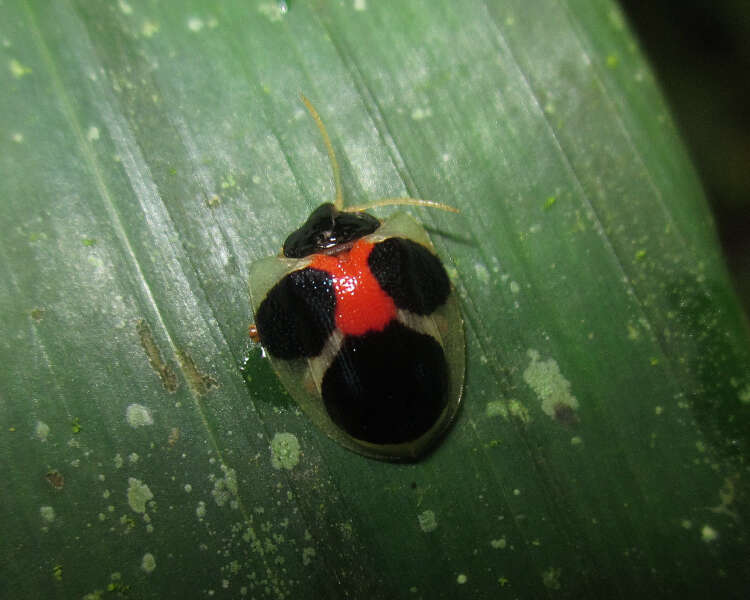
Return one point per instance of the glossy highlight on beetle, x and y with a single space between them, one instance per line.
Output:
360 322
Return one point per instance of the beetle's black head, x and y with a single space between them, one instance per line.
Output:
326 229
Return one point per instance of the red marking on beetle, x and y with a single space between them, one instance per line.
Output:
361 304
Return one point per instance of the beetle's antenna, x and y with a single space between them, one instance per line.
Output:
339 201
395 201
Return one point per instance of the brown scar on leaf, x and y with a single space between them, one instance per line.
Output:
55 479
200 383
174 436
565 414
163 369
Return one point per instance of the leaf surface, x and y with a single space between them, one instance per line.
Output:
150 153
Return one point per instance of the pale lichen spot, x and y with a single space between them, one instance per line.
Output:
616 19
92 134
461 579
727 495
188 488
256 179
225 488
97 263
308 553
419 113
633 332
496 408
124 7
483 275
551 578
41 431
360 5
148 562
499 544
285 451
271 11
544 377
17 69
519 411
17 137
200 510
138 415
744 395
117 461
138 495
195 24
514 287
576 440
709 534
427 521
47 513
150 28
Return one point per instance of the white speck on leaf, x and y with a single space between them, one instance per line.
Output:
195 24
138 495
545 378
427 521
419 113
285 451
709 534
148 562
41 431
483 275
138 415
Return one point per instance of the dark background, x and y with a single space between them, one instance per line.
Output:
700 51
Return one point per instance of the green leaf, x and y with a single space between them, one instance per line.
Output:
150 152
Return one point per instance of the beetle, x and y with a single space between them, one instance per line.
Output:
362 326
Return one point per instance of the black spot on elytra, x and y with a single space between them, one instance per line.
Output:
387 387
410 274
297 315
